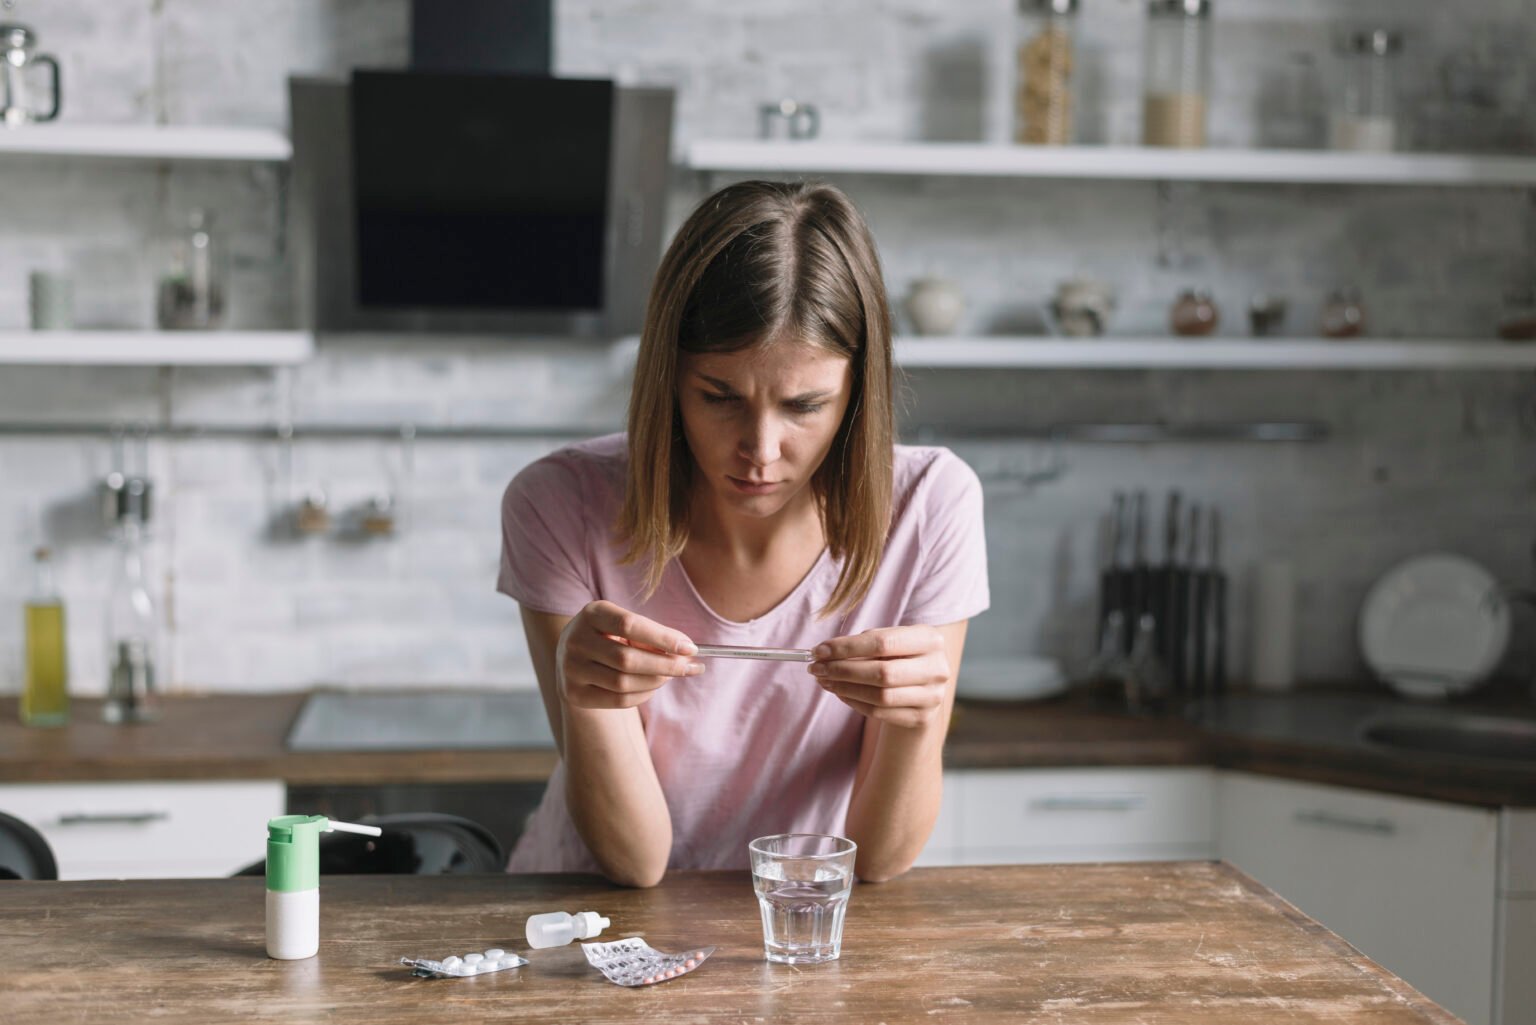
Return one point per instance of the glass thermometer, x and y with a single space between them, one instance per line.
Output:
768 654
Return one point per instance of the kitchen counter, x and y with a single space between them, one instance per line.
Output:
243 737
1192 942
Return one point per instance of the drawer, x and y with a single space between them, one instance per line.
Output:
1517 852
1085 810
148 830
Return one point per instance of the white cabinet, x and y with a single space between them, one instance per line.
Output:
1514 982
148 830
1019 816
1411 883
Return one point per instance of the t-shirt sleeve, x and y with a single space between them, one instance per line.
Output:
951 579
544 542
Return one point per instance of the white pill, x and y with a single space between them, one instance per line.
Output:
487 966
473 958
495 954
451 961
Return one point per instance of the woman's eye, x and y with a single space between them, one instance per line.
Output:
806 408
716 399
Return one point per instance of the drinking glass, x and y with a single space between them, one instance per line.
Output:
802 882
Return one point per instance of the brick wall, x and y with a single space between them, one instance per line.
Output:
1417 461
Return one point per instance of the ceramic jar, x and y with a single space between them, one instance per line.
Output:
934 305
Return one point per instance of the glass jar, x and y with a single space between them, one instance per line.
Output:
1365 115
190 295
1043 96
1193 314
1177 73
1343 315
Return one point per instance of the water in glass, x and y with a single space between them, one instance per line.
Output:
802 904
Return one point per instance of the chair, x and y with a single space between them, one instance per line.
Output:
414 843
24 854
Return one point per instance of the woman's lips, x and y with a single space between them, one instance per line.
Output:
749 488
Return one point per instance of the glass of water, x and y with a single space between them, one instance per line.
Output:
802 882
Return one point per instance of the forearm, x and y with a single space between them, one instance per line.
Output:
614 797
896 801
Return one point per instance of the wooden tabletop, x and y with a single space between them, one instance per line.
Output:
1187 943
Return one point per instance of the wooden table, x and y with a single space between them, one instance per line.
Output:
1187 943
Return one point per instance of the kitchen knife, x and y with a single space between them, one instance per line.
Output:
1218 609
1165 599
1199 614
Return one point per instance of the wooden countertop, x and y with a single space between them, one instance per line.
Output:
1186 942
242 736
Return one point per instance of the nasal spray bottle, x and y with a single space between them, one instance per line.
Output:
293 882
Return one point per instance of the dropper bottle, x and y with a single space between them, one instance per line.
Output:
293 882
556 928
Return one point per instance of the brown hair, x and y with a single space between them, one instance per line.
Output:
756 261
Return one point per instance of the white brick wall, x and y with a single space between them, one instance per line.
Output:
1418 461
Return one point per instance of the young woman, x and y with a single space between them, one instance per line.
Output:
756 499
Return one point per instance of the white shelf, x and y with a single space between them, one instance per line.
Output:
1215 353
1113 162
155 348
146 142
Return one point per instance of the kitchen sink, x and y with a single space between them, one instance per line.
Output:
1375 725
1463 736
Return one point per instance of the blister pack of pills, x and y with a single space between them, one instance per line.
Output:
633 962
458 966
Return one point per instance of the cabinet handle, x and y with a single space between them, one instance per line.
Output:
1332 820
1088 802
119 818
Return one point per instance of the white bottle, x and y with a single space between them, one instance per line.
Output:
1273 635
293 882
556 928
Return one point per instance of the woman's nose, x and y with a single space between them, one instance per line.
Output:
760 443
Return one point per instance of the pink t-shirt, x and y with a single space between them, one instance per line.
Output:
746 749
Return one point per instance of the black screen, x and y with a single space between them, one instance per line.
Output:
480 191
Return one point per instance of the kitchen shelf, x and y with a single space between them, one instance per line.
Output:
1213 353
1114 162
147 142
997 352
155 348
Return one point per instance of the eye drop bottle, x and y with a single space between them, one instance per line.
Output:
556 928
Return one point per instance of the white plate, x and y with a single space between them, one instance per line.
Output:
1011 678
1434 625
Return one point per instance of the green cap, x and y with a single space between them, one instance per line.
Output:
293 852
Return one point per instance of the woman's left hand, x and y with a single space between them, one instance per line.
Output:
897 674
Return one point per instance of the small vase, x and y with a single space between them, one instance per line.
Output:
935 306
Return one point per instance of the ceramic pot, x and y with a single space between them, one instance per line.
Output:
935 306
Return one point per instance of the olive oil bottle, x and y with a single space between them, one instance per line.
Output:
45 694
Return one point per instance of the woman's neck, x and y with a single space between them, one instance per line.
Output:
752 540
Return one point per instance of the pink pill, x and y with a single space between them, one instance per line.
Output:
647 980
690 964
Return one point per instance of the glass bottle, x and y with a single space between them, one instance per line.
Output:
1343 314
1043 109
45 691
191 290
1177 73
1365 117
131 627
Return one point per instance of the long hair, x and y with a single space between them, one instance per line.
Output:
755 261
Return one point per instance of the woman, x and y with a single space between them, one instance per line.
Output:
756 499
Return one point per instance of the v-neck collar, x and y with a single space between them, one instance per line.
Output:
795 593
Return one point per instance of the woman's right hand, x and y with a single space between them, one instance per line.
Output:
609 657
